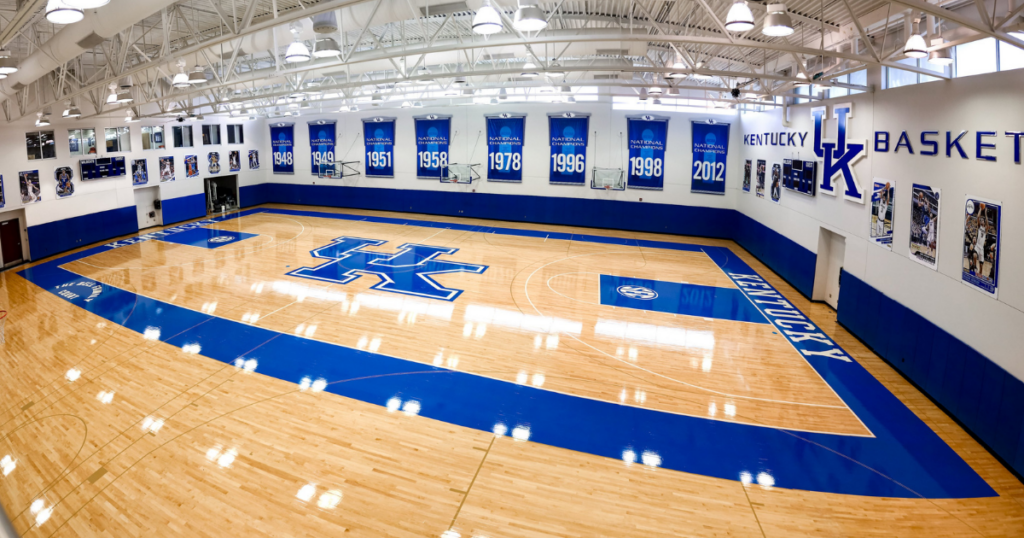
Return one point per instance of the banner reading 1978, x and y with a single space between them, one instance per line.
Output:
379 142
321 144
282 140
433 134
505 146
568 132
647 137
710 152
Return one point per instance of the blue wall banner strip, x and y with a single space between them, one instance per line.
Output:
648 137
282 141
569 137
322 134
505 136
379 144
710 156
678 298
183 208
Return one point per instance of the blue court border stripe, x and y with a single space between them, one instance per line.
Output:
903 459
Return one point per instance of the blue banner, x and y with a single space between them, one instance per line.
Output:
505 134
282 140
568 131
647 139
379 140
432 137
321 144
710 152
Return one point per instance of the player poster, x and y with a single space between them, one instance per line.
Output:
647 139
569 139
882 212
924 226
433 134
30 191
140 172
505 133
191 166
981 245
254 159
282 139
213 162
759 188
710 153
322 135
65 187
3 200
234 161
776 190
746 176
166 169
379 141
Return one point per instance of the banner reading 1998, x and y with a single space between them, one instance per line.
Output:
379 139
321 144
710 152
282 140
647 136
568 131
432 138
505 146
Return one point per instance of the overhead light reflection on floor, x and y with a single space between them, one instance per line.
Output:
105 397
306 492
151 333
73 374
8 464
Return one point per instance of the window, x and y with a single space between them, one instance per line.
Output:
82 141
976 58
118 139
211 135
40 145
153 138
182 136
1010 57
235 134
802 90
895 77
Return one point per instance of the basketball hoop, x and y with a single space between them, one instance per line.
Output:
607 187
3 317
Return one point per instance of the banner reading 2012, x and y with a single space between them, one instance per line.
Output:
710 152
505 147
321 144
647 136
432 138
379 142
568 132
282 140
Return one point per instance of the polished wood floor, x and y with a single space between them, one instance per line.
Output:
241 454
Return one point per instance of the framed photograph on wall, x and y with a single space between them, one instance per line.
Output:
29 183
213 162
759 187
746 176
191 166
882 210
3 199
166 169
924 225
140 172
235 161
254 159
776 187
982 229
65 187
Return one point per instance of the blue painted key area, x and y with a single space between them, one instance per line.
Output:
206 237
678 298
904 458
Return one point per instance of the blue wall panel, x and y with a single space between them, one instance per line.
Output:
254 195
791 261
184 208
62 235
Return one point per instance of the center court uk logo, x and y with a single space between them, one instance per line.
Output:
637 292
222 239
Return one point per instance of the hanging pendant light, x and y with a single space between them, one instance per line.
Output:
124 96
487 20
915 47
8 65
112 98
529 70
803 79
197 76
297 50
326 47
529 17
700 76
42 120
940 56
59 12
740 18
72 112
655 90
87 4
643 94
778 23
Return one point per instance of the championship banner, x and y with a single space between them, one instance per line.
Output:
282 140
433 133
505 134
883 208
924 225
710 152
982 228
379 139
647 138
569 139
322 134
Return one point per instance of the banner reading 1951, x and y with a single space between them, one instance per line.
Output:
321 144
505 147
647 136
432 138
710 152
282 140
568 132
379 142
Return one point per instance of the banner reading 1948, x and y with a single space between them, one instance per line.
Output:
282 140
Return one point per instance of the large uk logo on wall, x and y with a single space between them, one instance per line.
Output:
838 155
409 271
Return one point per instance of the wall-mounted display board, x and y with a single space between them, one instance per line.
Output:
102 168
799 176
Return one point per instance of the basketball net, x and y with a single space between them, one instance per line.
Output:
607 187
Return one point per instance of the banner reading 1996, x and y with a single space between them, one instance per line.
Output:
710 151
505 146
432 138
321 144
647 136
282 140
379 139
568 132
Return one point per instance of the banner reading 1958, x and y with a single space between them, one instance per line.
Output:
647 136
710 152
379 142
432 137
568 132
321 144
282 140
505 147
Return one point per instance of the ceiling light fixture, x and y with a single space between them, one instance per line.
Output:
297 50
197 76
487 20
655 90
87 4
72 111
740 18
8 66
677 69
778 23
124 96
915 47
529 70
59 12
112 98
940 56
326 47
42 119
529 17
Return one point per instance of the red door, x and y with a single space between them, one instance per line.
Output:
10 241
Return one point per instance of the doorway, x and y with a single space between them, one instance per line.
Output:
831 257
221 194
10 242
148 207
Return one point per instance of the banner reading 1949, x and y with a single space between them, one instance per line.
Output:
321 144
